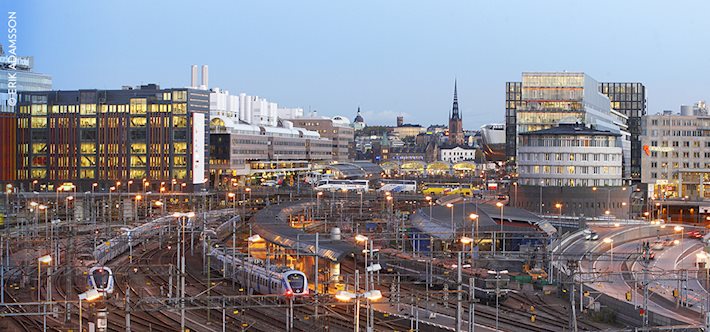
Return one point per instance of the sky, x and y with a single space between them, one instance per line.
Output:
387 57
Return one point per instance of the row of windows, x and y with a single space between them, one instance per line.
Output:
569 141
686 144
676 154
528 156
681 122
572 170
571 182
136 106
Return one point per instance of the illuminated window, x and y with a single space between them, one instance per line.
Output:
87 161
167 96
138 148
137 106
39 109
180 174
88 148
39 173
87 174
137 161
39 122
87 109
179 95
39 148
180 121
180 161
138 121
87 122
180 147
180 108
137 173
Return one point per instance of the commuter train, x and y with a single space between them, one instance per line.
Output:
257 277
101 279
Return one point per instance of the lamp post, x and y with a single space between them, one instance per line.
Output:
318 196
160 205
428 199
90 295
498 275
474 218
233 196
128 188
645 215
502 237
611 242
135 205
346 296
46 259
559 216
465 240
183 217
679 229
453 229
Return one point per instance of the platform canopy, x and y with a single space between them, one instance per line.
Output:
465 166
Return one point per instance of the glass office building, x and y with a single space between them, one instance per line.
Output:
629 99
104 136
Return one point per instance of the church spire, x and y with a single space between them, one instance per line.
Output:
455 109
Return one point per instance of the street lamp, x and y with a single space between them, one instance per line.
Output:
679 229
346 296
502 237
453 228
559 216
46 259
474 218
90 295
611 242
465 240
233 196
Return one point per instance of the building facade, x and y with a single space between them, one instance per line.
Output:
544 99
629 98
337 129
240 150
572 165
16 75
455 154
676 156
104 136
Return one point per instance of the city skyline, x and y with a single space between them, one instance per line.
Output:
335 58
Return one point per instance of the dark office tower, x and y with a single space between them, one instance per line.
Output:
629 99
455 122
103 136
513 100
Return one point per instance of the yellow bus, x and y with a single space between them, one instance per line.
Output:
440 189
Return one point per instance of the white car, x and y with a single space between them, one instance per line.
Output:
590 235
270 183
658 245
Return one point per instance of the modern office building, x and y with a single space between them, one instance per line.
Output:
104 136
572 165
337 129
675 163
629 98
544 99
248 153
16 75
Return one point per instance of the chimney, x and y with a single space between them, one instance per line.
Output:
204 77
193 77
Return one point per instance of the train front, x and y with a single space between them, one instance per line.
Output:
295 283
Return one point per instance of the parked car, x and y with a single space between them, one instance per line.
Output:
668 242
270 183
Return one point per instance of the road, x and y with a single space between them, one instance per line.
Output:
603 274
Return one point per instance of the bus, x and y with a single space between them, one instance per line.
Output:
398 186
438 189
343 185
312 178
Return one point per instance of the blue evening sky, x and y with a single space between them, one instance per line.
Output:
389 57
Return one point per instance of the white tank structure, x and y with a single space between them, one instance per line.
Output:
193 76
205 77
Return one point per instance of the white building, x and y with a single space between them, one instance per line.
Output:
457 154
569 155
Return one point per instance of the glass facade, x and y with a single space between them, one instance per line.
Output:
90 136
629 99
